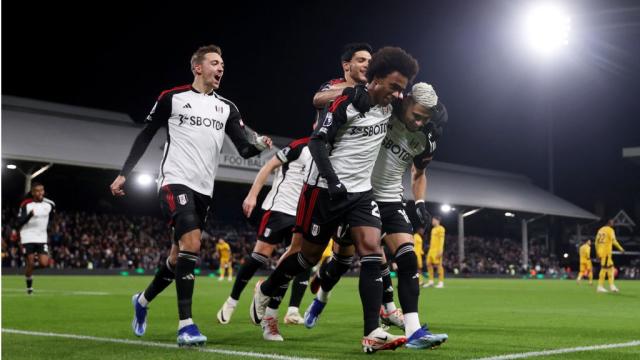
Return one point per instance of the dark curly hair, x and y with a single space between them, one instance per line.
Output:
390 59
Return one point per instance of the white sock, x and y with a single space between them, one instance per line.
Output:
232 302
323 296
390 307
271 312
143 300
185 322
292 309
411 323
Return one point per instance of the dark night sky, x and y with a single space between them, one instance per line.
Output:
500 97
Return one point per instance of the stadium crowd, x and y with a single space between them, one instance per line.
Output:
85 240
108 241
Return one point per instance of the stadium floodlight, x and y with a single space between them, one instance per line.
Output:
11 167
509 214
144 179
445 208
565 255
546 28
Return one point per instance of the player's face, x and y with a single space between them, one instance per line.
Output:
38 193
389 88
211 70
434 222
356 69
415 115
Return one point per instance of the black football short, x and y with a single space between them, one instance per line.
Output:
394 218
276 227
184 209
319 217
36 248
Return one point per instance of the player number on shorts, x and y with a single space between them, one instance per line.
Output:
375 211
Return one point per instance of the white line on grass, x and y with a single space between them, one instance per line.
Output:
562 351
64 292
155 344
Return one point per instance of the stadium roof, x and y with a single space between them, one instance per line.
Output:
36 130
47 132
481 188
632 153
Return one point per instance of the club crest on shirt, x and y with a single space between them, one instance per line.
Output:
182 199
267 232
315 229
328 120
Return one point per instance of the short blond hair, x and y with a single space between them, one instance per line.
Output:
198 56
424 94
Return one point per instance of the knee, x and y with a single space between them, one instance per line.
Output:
265 249
369 248
349 250
171 259
406 259
190 243
311 257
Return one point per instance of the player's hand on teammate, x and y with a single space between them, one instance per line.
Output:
337 190
248 205
361 100
423 214
117 185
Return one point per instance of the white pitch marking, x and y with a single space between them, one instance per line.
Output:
561 351
155 344
64 292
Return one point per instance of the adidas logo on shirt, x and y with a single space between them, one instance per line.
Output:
187 106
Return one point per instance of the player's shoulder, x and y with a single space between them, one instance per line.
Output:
299 143
225 100
49 201
26 201
174 90
327 85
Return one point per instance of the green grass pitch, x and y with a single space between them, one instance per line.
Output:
482 317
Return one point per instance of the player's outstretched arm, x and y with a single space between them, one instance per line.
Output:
23 215
158 117
137 150
419 189
327 94
250 201
332 118
241 137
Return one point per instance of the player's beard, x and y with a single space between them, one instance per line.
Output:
355 74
